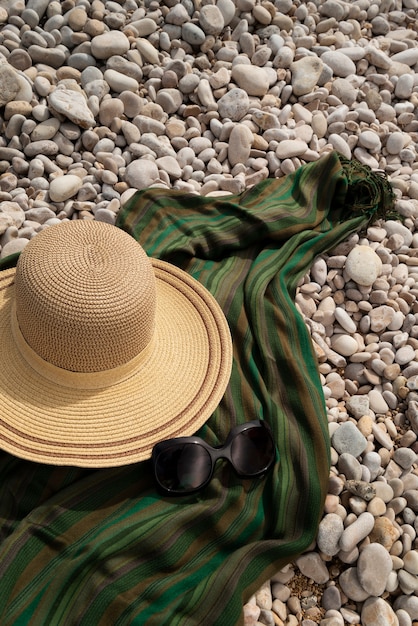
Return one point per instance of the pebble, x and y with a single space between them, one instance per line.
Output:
252 79
72 105
373 568
147 50
119 82
312 566
289 148
305 74
350 585
329 532
344 344
9 83
356 531
347 438
109 44
340 63
141 173
64 187
234 104
211 19
363 265
376 612
240 141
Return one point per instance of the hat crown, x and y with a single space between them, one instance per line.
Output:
85 296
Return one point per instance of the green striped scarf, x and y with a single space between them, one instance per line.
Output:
102 548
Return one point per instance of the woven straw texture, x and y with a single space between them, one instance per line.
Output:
104 352
100 548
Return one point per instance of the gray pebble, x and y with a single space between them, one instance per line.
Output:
312 566
331 598
191 33
141 173
358 405
351 586
234 104
347 438
373 568
404 457
329 532
349 466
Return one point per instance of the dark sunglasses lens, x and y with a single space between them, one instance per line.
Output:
252 451
183 467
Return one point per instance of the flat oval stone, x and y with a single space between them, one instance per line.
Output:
119 82
240 141
169 99
340 64
395 142
392 227
170 165
110 43
252 79
381 317
408 604
376 611
373 568
192 34
363 265
370 140
55 57
13 246
45 146
356 532
9 83
377 402
64 187
405 457
330 530
350 585
344 344
345 321
319 271
46 130
289 148
147 50
410 561
13 212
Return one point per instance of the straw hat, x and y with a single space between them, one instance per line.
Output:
104 351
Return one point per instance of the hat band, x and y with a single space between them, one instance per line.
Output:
76 380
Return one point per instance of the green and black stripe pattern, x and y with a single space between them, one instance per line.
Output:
103 548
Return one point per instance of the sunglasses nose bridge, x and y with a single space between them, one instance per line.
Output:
221 452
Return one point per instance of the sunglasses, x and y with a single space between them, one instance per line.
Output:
184 465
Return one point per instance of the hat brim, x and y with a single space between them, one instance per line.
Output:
172 392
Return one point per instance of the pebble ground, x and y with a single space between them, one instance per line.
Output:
99 99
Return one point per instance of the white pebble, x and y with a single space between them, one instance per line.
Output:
363 265
64 187
357 531
345 321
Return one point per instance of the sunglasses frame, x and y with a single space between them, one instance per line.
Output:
215 453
